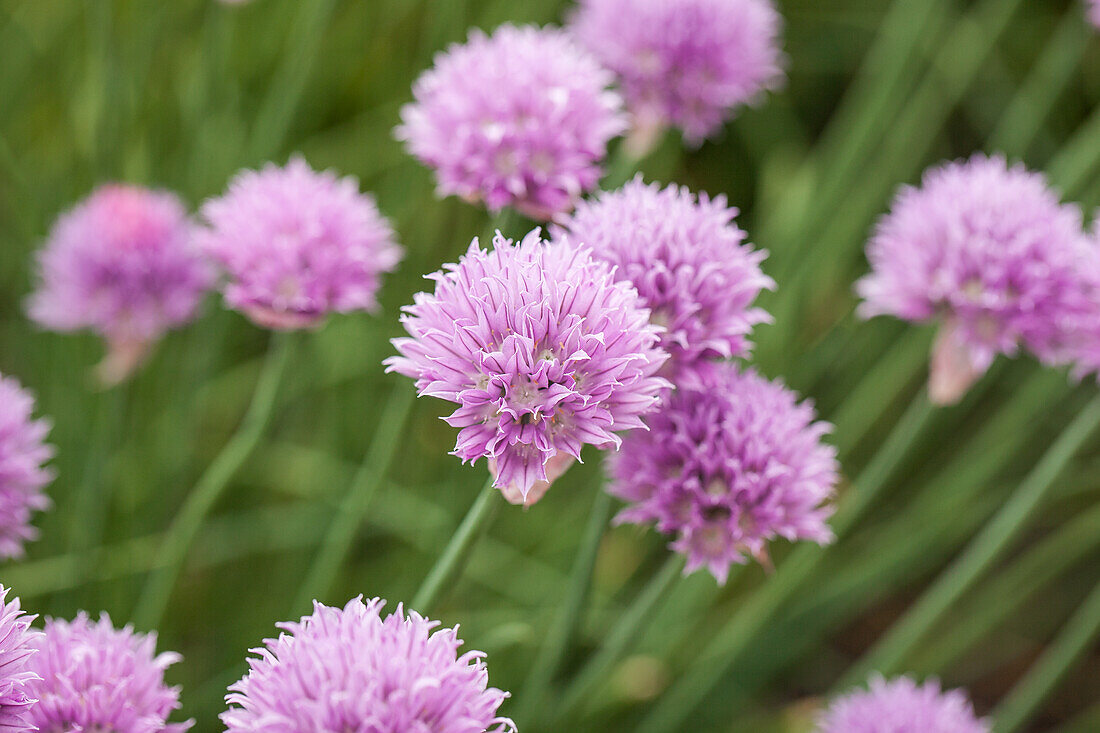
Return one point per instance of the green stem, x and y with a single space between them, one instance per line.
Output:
984 550
1007 592
280 104
687 692
1059 63
349 517
158 587
1024 700
548 662
451 563
621 637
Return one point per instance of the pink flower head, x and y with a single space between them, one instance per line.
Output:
902 706
1094 12
121 263
17 646
519 118
97 678
988 251
684 63
349 669
23 451
688 260
542 350
728 465
297 245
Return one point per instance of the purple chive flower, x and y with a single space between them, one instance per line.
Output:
23 452
519 118
726 466
688 260
17 646
97 678
902 706
297 245
684 63
349 669
988 251
121 263
543 352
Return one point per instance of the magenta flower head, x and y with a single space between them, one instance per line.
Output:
349 669
902 706
684 63
518 118
988 251
726 466
688 260
98 678
17 646
297 245
23 451
542 350
123 264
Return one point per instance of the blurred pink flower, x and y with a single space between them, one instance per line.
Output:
297 245
519 118
123 264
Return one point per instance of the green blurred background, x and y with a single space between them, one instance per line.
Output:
182 94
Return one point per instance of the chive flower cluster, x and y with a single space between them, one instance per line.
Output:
902 706
542 350
94 677
684 63
521 117
296 245
688 260
988 251
18 644
349 669
727 466
23 474
123 264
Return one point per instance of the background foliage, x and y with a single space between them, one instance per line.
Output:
182 94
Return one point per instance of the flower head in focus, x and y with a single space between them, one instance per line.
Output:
123 264
16 649
902 706
988 251
684 63
542 350
98 678
23 451
728 465
518 118
688 260
349 669
297 245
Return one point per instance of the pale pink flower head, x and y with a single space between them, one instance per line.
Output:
989 252
349 669
687 258
542 351
902 706
123 264
1094 12
518 118
17 646
296 245
23 474
728 465
98 678
684 63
